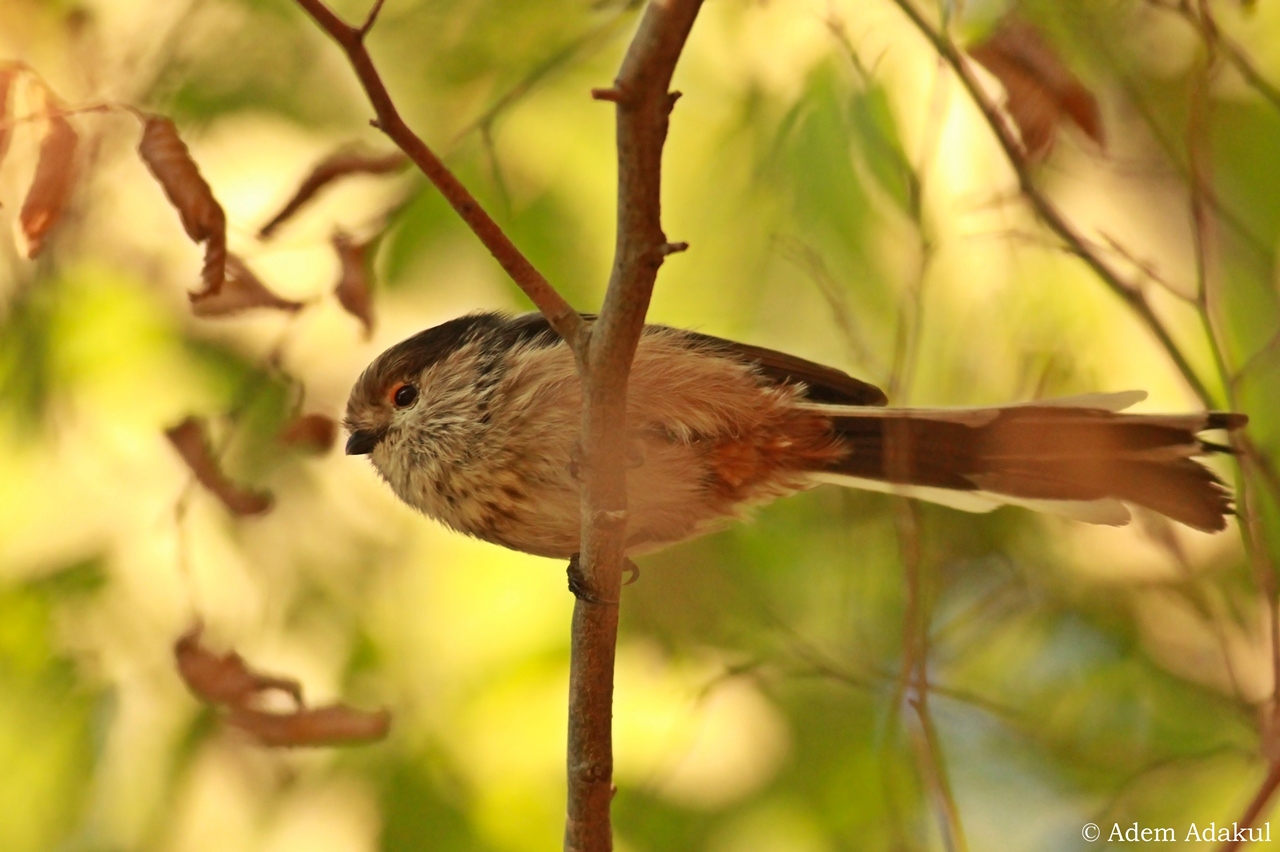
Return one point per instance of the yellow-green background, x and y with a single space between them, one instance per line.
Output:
1084 674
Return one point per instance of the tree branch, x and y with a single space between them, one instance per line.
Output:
1213 37
643 106
913 679
604 351
563 318
1076 243
1259 803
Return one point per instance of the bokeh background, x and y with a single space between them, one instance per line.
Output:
845 202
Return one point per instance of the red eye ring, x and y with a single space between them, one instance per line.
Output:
403 394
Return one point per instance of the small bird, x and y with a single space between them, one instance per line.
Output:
476 423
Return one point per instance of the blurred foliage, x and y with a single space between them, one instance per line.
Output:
843 201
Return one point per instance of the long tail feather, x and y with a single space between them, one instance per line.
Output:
1060 457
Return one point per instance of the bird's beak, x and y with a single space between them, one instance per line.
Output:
362 441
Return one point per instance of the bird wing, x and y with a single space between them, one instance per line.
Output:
825 384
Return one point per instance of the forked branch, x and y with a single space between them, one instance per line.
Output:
563 318
604 350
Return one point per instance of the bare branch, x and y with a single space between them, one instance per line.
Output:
371 18
1076 243
1238 58
913 677
1264 352
1208 284
643 106
579 46
1213 37
1257 806
563 318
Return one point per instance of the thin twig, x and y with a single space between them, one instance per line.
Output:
371 18
911 312
643 105
1238 58
563 318
1257 358
1207 280
1147 267
1076 243
1213 37
1261 248
1205 243
544 69
810 261
930 757
913 679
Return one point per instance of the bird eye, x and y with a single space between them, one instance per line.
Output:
404 396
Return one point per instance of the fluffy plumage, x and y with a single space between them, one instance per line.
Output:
488 445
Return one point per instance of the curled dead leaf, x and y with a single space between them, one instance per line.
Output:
188 437
167 158
224 678
241 290
337 165
354 287
311 432
52 185
227 680
335 724
1039 88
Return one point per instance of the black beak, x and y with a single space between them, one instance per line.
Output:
362 442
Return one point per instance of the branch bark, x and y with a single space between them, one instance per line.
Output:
604 351
563 318
643 104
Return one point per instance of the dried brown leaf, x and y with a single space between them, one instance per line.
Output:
337 165
240 291
188 437
224 678
354 287
228 681
168 159
1039 88
9 75
51 187
310 432
336 724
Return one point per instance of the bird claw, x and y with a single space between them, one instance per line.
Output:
581 587
578 584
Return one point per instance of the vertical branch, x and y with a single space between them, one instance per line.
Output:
604 352
643 106
912 687
929 751
1201 199
913 679
1204 244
